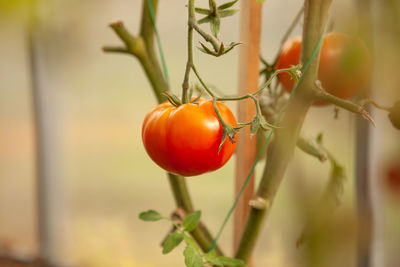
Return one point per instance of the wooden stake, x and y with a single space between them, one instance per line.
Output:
249 58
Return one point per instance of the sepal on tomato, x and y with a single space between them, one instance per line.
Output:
173 99
228 131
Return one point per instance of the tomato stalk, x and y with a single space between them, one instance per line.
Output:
185 84
345 104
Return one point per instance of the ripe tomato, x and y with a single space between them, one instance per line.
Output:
344 66
184 140
392 179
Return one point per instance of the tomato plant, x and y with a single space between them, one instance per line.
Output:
344 66
184 140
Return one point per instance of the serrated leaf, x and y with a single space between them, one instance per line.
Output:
212 258
190 242
192 257
202 11
205 19
191 221
227 13
215 24
150 216
255 124
227 5
230 261
172 241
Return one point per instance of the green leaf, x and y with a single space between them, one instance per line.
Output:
191 221
212 258
205 19
227 5
202 11
173 240
227 13
230 261
150 215
192 257
215 24
190 242
212 5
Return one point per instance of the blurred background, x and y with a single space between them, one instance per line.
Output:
99 177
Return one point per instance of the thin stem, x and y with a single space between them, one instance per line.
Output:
375 104
185 84
208 90
116 49
234 98
345 104
208 37
262 87
280 153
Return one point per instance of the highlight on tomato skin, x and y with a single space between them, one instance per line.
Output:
344 66
184 140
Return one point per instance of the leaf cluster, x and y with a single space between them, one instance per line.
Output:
192 254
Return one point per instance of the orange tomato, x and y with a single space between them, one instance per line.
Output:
184 140
344 66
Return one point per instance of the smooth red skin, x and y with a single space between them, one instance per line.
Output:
334 78
184 140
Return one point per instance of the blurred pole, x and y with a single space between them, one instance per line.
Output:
249 62
46 133
367 185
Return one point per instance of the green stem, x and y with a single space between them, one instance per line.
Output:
208 37
375 104
234 98
345 104
280 153
185 84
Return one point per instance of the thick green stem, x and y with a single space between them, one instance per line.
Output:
281 151
147 29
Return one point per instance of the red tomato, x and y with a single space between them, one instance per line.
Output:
184 140
344 66
392 180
